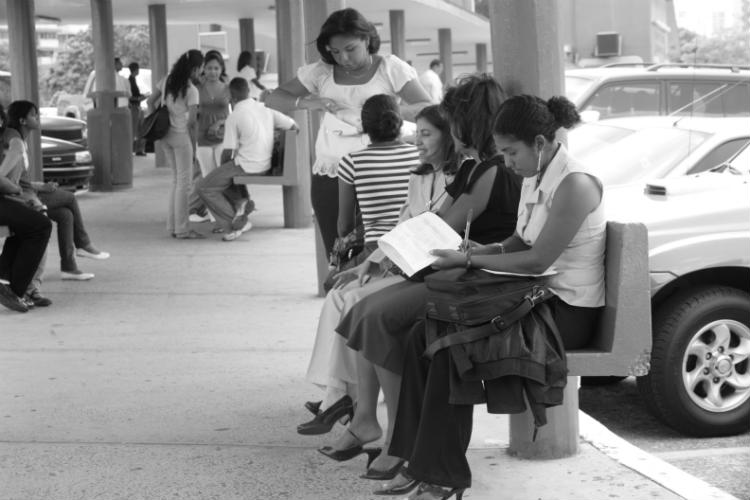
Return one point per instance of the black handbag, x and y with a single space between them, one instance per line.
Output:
156 125
478 303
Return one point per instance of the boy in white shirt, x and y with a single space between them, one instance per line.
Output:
247 148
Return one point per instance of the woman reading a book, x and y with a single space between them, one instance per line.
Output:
561 223
332 364
377 326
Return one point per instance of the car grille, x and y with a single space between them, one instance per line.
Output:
59 160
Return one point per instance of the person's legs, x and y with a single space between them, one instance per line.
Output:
211 190
60 198
23 251
183 156
64 219
432 434
169 156
324 192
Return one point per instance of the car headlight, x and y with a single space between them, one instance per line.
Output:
83 157
85 132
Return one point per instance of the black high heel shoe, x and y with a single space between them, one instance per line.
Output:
351 452
313 406
383 475
324 420
405 486
433 492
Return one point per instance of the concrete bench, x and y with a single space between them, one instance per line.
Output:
620 348
295 177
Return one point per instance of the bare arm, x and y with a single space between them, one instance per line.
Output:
285 99
13 155
153 99
577 196
476 201
193 122
415 97
347 203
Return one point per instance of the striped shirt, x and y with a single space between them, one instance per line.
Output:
380 175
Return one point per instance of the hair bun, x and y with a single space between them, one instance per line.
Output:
563 111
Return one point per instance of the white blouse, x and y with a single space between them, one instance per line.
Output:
334 139
580 268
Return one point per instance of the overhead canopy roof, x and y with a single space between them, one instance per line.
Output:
423 19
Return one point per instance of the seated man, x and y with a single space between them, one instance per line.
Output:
247 148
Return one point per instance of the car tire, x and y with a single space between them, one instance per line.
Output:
701 339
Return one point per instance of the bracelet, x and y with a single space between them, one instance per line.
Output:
468 257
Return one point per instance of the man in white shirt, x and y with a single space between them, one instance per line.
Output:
121 85
247 149
431 81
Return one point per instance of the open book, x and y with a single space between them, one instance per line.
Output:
408 244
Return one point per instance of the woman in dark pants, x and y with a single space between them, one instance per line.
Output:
30 228
561 223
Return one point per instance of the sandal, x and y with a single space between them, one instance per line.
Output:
352 451
190 235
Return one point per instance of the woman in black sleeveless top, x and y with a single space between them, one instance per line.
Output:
378 325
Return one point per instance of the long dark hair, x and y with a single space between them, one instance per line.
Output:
527 116
346 22
381 119
450 157
246 58
215 55
17 111
470 107
179 76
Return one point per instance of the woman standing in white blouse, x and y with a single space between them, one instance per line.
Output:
349 72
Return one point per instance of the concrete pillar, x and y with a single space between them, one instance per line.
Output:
24 79
527 53
398 33
290 36
110 133
481 49
247 34
157 33
445 44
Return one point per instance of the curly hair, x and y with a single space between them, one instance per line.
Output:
470 107
182 70
526 116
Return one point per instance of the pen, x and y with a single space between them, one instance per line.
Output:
465 245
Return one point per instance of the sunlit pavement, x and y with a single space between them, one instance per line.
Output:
178 373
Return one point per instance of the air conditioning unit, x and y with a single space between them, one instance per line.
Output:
608 43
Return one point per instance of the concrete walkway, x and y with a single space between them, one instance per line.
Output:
177 373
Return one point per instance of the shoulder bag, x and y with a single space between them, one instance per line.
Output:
156 125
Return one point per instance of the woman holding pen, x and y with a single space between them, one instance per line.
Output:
376 327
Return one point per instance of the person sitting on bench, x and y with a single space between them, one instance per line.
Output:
247 149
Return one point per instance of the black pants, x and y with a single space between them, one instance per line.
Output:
23 251
432 434
324 192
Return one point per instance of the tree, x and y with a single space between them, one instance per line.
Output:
727 48
75 60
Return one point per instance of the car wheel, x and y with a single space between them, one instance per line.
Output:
699 382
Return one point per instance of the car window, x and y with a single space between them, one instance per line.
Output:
708 98
742 161
575 86
625 99
719 155
647 153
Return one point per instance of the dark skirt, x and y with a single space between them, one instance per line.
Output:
378 325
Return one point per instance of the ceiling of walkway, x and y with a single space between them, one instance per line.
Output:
423 19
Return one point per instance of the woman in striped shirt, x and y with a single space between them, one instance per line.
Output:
377 178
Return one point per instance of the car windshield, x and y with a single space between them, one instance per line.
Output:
648 153
575 86
742 161
589 137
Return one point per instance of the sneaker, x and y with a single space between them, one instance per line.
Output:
76 275
236 234
96 254
245 208
12 301
27 301
37 299
199 218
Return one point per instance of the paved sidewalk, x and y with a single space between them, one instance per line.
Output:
178 373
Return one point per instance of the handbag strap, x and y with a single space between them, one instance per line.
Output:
497 324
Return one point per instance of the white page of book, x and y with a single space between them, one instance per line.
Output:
549 272
408 245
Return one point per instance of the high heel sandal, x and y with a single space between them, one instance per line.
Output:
433 492
324 420
383 475
351 452
408 484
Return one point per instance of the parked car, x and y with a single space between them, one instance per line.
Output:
699 261
659 89
66 163
635 149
